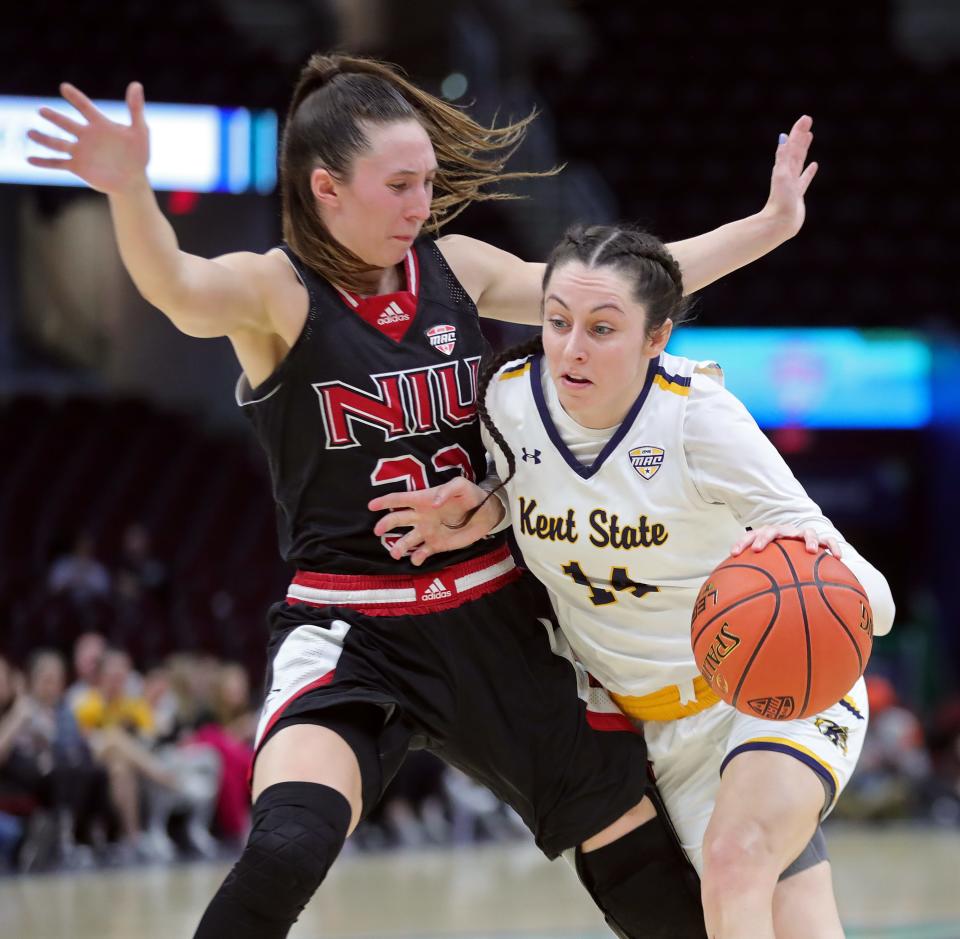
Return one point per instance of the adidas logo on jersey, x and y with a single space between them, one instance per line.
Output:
392 314
436 591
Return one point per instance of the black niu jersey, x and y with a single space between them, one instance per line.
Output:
351 414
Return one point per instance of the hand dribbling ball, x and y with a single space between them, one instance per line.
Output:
782 633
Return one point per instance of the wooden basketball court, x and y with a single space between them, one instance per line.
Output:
893 883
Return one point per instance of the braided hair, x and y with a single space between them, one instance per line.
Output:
657 285
641 257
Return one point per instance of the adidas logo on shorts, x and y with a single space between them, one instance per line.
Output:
392 314
436 591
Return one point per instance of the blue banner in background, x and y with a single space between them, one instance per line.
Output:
820 378
193 147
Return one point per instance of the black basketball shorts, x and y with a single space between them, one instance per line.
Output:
461 662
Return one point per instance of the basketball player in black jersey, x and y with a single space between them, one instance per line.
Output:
359 343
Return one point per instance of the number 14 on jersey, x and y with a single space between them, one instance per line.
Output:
619 581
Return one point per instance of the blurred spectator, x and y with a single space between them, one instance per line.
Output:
174 778
944 742
193 679
11 837
139 574
19 778
109 704
88 652
78 784
894 771
231 735
79 575
159 694
141 599
44 758
232 706
14 715
120 727
183 692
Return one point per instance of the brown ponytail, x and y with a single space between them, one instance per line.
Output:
333 99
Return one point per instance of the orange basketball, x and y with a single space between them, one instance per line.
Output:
782 633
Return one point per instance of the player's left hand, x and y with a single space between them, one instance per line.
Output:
759 538
790 180
435 518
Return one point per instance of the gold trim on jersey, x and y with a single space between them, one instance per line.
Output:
661 382
516 372
665 704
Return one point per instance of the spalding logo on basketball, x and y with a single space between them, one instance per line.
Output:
782 633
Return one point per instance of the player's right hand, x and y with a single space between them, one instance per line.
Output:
111 158
759 538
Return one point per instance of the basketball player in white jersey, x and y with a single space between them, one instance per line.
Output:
358 340
624 544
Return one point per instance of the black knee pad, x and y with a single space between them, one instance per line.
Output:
644 884
298 831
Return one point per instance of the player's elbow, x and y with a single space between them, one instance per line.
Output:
876 588
197 327
882 606
193 311
202 304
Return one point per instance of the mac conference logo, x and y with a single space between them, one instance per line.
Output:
646 460
443 338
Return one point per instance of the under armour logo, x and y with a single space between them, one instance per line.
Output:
535 455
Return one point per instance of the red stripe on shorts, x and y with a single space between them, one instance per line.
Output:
599 720
431 592
316 683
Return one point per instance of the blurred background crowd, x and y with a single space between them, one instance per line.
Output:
105 765
108 761
137 545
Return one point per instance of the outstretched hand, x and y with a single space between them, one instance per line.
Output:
790 178
432 517
107 156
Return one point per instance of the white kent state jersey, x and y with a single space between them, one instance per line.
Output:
624 540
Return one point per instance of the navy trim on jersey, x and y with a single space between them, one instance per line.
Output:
586 472
829 781
672 379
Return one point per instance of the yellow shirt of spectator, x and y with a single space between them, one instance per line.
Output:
94 712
